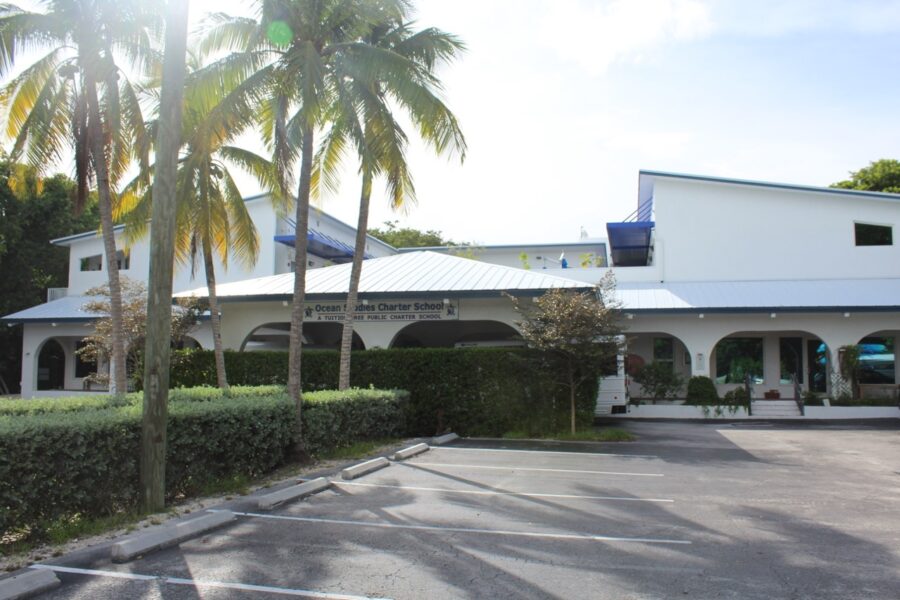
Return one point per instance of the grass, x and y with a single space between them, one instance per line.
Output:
357 450
610 434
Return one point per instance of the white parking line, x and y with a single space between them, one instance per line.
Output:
501 493
458 449
207 584
531 534
451 465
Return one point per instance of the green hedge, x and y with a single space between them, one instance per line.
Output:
61 463
472 391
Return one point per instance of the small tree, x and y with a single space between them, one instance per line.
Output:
578 331
98 346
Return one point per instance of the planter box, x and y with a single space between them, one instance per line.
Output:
772 395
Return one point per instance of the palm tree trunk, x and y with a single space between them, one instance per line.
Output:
355 272
300 243
218 352
118 380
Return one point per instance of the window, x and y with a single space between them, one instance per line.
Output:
92 263
738 357
790 351
874 235
876 360
664 351
95 263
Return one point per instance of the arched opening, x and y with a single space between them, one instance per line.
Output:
657 347
774 361
186 343
316 336
460 334
51 371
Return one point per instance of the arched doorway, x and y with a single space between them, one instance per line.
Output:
878 363
51 371
316 336
449 334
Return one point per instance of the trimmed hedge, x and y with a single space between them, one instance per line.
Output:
65 462
472 391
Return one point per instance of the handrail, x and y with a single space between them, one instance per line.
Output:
798 397
749 391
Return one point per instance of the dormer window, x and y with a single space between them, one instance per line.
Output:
874 235
95 263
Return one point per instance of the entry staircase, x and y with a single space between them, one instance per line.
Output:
775 409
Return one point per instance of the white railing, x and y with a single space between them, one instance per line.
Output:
56 293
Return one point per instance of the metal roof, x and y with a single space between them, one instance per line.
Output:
762 296
419 273
62 310
646 189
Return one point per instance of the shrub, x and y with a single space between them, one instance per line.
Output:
702 390
658 380
811 398
472 391
57 464
736 397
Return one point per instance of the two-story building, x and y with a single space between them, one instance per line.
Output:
718 277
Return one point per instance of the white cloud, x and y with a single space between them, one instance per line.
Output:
596 35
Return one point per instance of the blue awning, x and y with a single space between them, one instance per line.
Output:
629 243
322 245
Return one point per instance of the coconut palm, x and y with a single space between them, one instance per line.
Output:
364 115
75 97
212 221
307 40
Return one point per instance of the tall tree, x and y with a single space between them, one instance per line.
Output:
212 220
308 40
75 96
162 239
404 77
880 176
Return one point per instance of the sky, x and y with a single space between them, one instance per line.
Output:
562 103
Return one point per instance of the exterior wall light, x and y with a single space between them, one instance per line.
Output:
846 315
700 316
772 316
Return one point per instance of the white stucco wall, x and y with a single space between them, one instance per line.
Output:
709 231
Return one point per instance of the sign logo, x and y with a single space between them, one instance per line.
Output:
385 311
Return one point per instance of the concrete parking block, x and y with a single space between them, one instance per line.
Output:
364 467
293 492
168 535
28 584
411 451
444 439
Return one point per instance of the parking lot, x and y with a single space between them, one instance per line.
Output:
689 510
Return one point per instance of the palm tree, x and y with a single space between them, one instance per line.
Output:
75 96
212 220
307 40
364 114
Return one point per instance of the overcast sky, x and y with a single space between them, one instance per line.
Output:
563 101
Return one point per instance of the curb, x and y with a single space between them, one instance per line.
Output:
28 584
444 439
168 535
411 451
364 467
293 492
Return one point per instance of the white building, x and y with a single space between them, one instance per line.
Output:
718 277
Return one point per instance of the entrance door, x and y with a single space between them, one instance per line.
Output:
51 367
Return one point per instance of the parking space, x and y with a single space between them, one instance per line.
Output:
689 511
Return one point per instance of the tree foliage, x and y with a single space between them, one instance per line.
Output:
579 331
98 345
407 237
38 211
882 175
658 380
